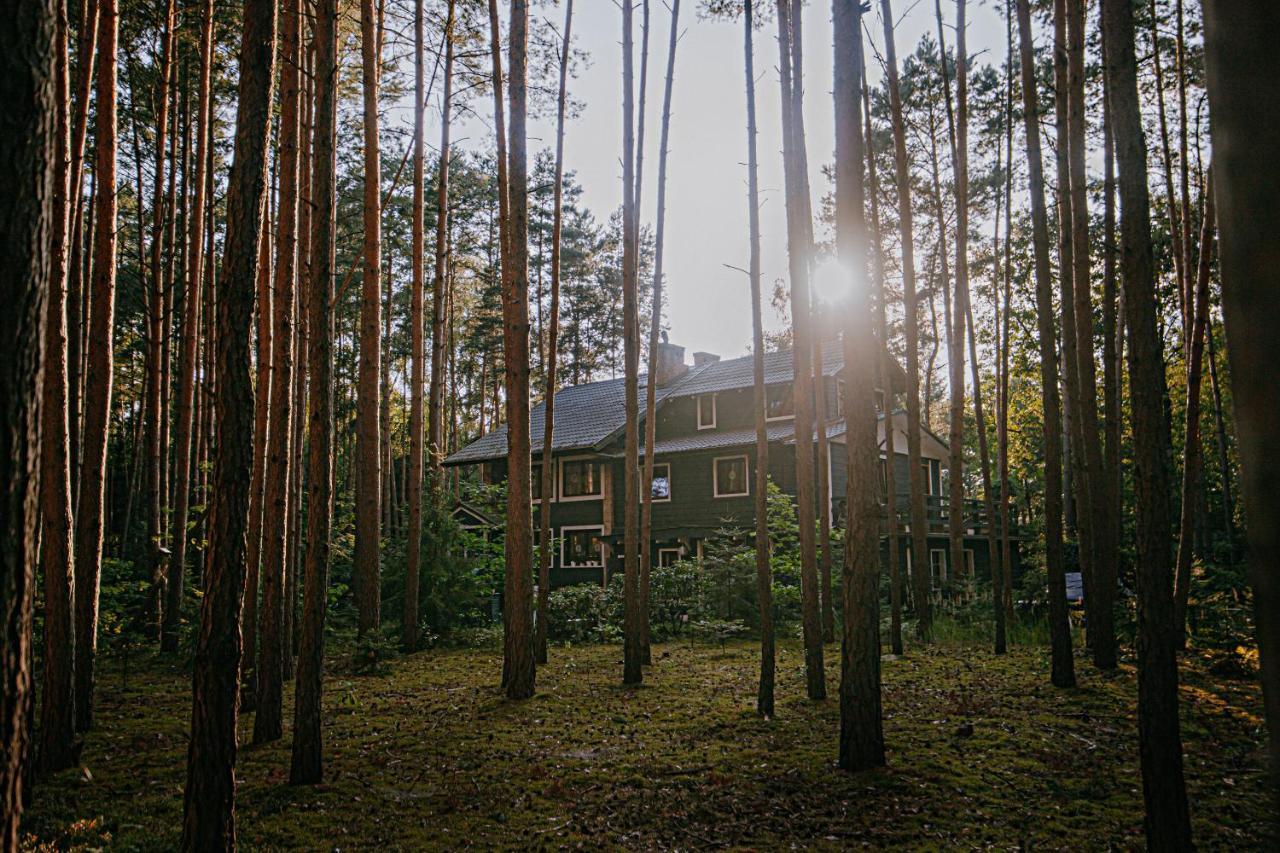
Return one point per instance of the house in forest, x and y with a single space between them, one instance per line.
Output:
704 460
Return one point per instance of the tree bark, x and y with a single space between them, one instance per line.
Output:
409 616
547 471
306 765
910 299
1168 824
764 573
268 722
1244 122
799 253
655 323
518 584
98 373
435 407
633 659
27 86
1063 666
209 807
57 748
1192 456
174 587
861 728
886 373
367 576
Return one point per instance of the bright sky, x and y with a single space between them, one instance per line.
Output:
706 221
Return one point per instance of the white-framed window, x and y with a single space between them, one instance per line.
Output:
730 476
938 565
660 488
668 556
706 411
581 547
927 469
580 479
779 402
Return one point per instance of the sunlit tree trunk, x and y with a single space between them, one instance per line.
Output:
886 375
633 658
258 473
367 575
910 300
435 404
547 471
799 254
187 355
655 324
518 585
56 748
209 806
98 373
861 729
268 722
764 574
306 764
1063 666
1168 823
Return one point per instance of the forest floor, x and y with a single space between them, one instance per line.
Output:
982 753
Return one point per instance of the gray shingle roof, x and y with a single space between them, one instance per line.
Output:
588 414
738 372
780 432
585 416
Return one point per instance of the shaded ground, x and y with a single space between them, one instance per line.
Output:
982 753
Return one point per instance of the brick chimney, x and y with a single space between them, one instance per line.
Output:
671 364
702 359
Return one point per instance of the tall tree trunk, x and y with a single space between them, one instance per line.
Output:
886 374
367 574
1063 667
209 808
1109 492
957 127
153 432
861 728
268 722
1101 564
1006 548
655 322
633 658
799 253
1240 61
764 573
306 765
435 407
910 299
98 373
517 600
57 748
547 471
27 148
409 617
1191 448
823 489
190 344
1168 823
258 474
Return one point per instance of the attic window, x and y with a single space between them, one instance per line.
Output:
706 411
780 402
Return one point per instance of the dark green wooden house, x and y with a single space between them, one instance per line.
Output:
704 459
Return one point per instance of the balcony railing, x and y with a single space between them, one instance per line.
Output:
974 522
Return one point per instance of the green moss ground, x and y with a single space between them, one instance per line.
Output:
982 753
